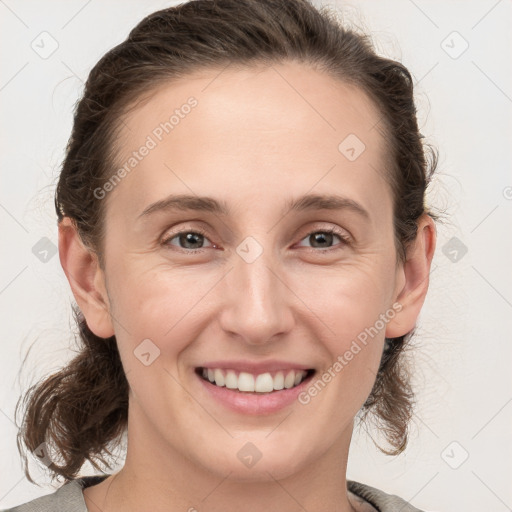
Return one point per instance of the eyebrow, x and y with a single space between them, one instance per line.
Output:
207 204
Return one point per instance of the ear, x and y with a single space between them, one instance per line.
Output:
413 279
86 279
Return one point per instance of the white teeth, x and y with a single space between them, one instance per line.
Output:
288 381
279 381
219 378
247 382
264 383
231 380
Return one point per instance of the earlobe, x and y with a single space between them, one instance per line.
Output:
86 279
414 279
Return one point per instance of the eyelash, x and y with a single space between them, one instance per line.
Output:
345 240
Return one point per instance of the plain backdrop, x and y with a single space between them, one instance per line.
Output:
459 52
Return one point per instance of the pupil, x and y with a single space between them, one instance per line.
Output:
189 238
319 236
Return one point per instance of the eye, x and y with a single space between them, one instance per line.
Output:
188 240
321 238
192 241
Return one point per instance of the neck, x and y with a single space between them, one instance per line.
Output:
158 477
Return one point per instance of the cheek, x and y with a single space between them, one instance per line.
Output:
353 309
161 305
348 300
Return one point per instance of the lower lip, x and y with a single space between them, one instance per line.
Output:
253 403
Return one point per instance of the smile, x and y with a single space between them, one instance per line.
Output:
267 382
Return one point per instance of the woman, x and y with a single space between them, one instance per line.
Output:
242 223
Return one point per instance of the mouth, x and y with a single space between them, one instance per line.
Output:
254 384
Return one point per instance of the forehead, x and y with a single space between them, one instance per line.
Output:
274 97
219 130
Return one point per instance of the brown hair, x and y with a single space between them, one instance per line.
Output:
82 409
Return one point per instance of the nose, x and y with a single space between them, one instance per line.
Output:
257 300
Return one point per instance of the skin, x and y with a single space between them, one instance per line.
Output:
258 137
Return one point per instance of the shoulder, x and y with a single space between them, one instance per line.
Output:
67 498
382 501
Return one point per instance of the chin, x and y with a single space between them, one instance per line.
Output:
256 459
263 471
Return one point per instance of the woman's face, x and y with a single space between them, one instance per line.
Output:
251 285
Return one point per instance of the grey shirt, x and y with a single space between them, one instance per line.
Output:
69 498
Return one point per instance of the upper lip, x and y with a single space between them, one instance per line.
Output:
256 367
